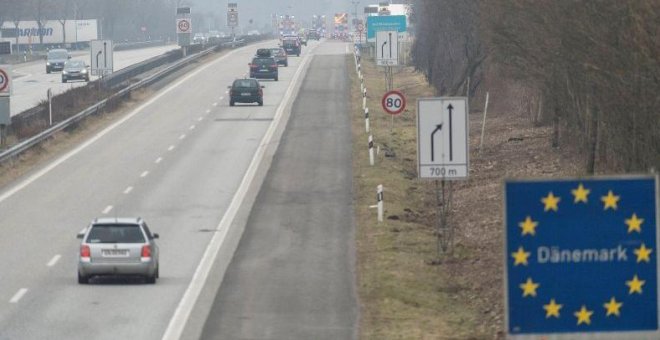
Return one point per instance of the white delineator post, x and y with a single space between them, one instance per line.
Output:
379 198
366 119
364 98
371 150
483 123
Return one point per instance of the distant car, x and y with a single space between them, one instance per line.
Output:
264 68
118 246
313 35
246 91
264 52
291 46
199 38
55 59
280 56
75 69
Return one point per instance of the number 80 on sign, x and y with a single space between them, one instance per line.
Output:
394 102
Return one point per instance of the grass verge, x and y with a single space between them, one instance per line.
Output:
402 294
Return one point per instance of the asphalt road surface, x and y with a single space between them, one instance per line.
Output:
292 276
177 161
31 82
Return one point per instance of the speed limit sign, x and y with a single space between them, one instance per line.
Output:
183 26
394 102
4 82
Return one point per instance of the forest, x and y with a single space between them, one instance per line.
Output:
590 69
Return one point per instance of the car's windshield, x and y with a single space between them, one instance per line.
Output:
58 55
245 83
75 64
115 233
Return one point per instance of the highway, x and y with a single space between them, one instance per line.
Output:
292 276
177 160
31 82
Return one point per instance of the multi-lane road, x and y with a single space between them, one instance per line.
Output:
183 160
31 82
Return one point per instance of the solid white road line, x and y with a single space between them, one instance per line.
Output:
182 313
158 160
107 210
170 148
128 190
20 186
54 260
144 174
18 295
182 136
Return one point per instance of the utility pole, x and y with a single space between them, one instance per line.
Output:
355 11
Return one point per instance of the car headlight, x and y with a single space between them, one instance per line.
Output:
48 63
83 71
64 72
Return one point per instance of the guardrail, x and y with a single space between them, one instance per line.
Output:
42 136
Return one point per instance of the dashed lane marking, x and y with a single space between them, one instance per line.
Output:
54 260
17 297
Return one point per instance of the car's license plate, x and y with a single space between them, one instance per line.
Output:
114 252
246 94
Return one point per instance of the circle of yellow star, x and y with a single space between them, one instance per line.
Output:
528 226
580 194
550 202
634 224
643 253
552 309
610 201
635 285
529 287
613 307
520 257
583 315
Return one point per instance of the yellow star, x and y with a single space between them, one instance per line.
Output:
552 309
583 315
551 202
643 253
635 285
610 201
580 194
528 226
520 257
634 224
529 287
613 307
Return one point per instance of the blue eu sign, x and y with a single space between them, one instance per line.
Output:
581 258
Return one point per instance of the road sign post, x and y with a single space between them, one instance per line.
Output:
442 138
581 258
101 57
183 28
387 48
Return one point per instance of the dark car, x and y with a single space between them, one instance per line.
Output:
246 91
291 46
313 35
264 67
280 56
75 69
55 59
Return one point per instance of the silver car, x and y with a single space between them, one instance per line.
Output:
118 246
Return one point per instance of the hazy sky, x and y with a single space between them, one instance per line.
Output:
260 10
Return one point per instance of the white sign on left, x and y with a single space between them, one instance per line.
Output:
101 57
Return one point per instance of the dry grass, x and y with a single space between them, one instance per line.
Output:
402 295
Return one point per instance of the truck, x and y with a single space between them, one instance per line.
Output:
51 33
